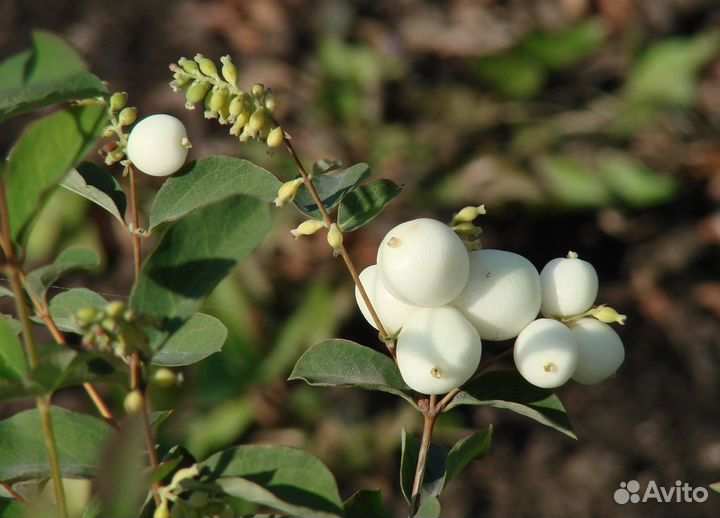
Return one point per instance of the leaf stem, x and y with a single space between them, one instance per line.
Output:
42 404
429 418
384 336
137 383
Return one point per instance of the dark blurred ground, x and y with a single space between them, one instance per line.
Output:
587 126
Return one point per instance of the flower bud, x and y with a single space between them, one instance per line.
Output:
257 120
207 66
275 138
162 511
218 100
188 65
114 156
196 92
127 116
133 402
236 106
608 315
85 316
307 228
468 214
270 101
118 101
108 132
229 71
164 378
467 229
184 474
115 309
335 238
287 191
257 90
180 82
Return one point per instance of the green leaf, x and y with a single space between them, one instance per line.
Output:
434 468
48 74
331 188
507 389
64 305
79 440
38 281
11 508
572 183
366 503
13 366
667 73
287 479
635 184
207 181
61 367
324 166
561 49
198 338
344 363
429 508
11 322
194 255
47 149
513 75
99 186
364 203
472 447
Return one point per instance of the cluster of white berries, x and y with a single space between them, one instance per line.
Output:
441 301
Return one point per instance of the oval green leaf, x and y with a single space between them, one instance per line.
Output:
434 468
331 188
198 338
64 305
360 206
507 389
38 281
99 186
207 181
287 479
79 439
344 363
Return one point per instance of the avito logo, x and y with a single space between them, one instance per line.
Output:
680 492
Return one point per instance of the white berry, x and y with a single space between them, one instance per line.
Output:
546 353
158 145
502 295
438 350
392 312
600 351
569 286
423 262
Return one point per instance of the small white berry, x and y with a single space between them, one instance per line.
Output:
569 286
502 295
423 262
392 312
438 350
546 353
158 145
600 351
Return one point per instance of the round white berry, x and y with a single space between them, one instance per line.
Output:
158 145
569 286
423 262
546 353
600 351
502 295
438 350
392 312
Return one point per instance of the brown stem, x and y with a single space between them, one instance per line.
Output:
17 496
137 383
384 336
429 418
137 252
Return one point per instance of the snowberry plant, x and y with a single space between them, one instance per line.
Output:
434 295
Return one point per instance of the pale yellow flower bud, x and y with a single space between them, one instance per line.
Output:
229 71
207 66
335 237
275 137
162 511
287 191
608 315
307 228
467 229
133 402
468 214
118 101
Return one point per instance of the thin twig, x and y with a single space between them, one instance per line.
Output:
51 445
137 383
17 496
137 251
429 417
384 336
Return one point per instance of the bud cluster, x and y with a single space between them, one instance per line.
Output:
248 114
113 329
462 224
120 115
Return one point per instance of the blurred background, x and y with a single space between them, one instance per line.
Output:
582 125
